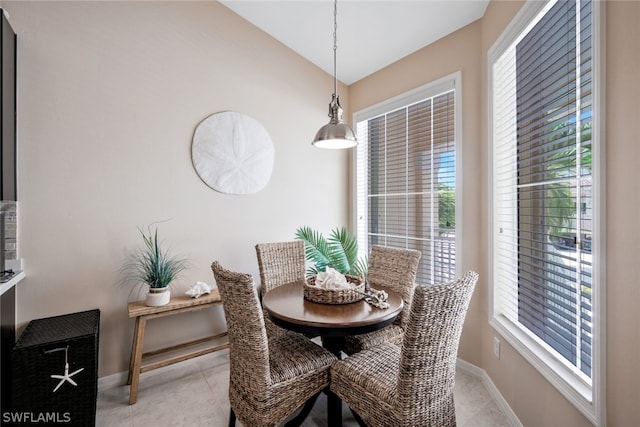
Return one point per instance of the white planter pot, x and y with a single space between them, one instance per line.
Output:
158 297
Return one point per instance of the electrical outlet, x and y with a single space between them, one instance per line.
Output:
496 347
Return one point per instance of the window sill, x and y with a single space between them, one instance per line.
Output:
572 387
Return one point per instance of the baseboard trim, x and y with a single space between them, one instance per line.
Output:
112 381
481 374
120 378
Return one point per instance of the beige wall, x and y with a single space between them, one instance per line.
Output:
458 52
109 95
623 212
533 399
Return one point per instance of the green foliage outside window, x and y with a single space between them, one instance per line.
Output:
560 200
446 209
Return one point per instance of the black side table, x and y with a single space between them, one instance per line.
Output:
55 370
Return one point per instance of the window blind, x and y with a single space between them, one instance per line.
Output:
405 177
542 183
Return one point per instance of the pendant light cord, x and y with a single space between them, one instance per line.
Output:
336 133
335 46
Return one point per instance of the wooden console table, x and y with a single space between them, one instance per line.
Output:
177 305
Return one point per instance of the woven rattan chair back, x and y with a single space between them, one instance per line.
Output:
269 378
430 347
249 351
411 385
280 263
396 269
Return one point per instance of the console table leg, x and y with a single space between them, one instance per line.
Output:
136 359
133 351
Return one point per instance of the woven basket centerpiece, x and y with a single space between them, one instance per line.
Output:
334 296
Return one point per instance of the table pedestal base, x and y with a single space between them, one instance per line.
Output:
334 404
287 308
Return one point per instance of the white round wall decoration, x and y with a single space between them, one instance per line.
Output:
232 153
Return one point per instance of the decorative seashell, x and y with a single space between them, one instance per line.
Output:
198 289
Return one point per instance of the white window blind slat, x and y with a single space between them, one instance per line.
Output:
409 163
542 100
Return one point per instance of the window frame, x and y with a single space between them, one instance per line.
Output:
589 400
428 90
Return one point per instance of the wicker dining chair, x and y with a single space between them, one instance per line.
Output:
395 269
279 263
411 385
269 378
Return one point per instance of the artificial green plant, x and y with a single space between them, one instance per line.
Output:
152 265
339 251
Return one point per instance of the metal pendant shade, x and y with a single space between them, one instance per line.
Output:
336 133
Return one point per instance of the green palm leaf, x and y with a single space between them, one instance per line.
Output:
339 251
344 250
316 249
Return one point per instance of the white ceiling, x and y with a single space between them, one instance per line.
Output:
371 33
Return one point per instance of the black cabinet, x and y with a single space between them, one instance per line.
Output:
8 113
55 369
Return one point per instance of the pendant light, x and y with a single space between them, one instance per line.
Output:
336 133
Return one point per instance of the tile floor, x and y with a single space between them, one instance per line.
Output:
194 393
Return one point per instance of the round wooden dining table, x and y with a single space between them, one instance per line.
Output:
287 308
